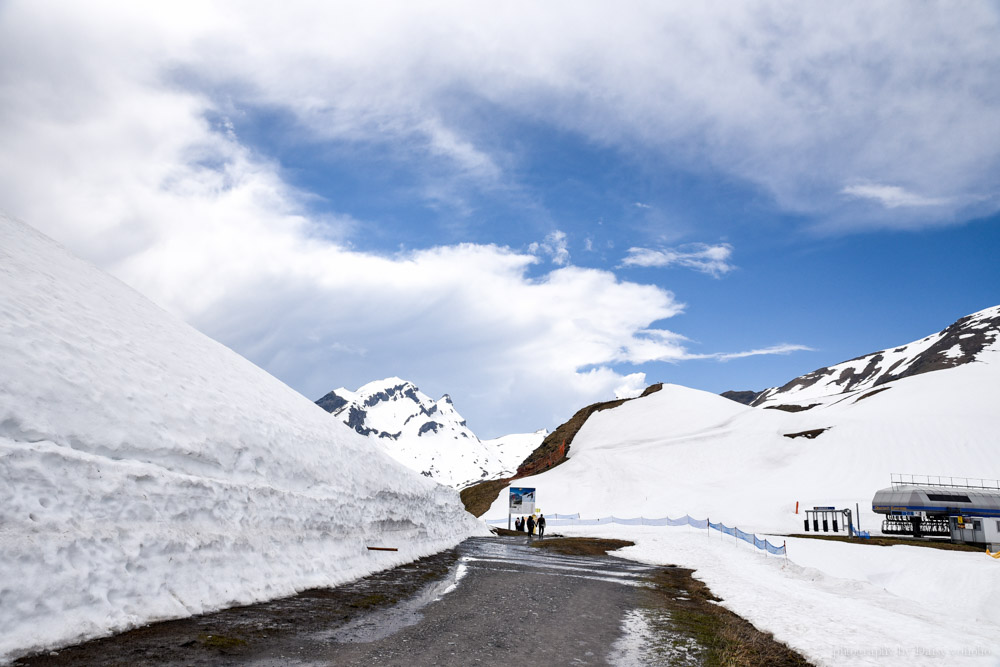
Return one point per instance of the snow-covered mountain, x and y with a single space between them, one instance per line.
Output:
425 435
961 343
148 472
682 451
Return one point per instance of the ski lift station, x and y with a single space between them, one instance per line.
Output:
967 511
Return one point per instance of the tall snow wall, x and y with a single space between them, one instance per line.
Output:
148 472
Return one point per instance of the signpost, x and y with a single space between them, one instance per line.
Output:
522 501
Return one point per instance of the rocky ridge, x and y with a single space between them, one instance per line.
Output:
961 343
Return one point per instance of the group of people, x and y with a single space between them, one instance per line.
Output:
529 524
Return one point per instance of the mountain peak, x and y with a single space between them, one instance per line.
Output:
428 436
393 408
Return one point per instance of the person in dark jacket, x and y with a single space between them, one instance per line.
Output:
519 524
541 525
531 525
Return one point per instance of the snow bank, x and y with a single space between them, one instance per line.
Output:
149 472
841 604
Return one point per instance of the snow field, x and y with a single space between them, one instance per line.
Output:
681 451
838 603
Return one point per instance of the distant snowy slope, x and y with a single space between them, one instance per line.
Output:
513 449
428 436
680 451
961 343
148 472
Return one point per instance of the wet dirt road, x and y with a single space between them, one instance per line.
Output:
490 601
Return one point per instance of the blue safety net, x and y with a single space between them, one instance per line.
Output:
686 520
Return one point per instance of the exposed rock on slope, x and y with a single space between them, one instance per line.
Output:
745 397
961 343
550 453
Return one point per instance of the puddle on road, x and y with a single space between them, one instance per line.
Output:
383 623
482 553
608 569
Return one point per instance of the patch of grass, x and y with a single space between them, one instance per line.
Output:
580 546
681 604
891 541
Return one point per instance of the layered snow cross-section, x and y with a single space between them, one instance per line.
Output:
148 472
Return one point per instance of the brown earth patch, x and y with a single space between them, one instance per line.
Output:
883 541
687 605
872 393
552 452
791 408
580 546
478 497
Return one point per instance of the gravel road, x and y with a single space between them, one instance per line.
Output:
490 601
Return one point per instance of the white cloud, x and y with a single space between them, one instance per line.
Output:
710 259
554 246
106 144
892 196
795 99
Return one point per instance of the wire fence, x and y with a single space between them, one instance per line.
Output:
702 524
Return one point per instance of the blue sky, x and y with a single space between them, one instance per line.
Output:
529 207
838 294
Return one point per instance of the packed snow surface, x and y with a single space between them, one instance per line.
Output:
682 451
147 472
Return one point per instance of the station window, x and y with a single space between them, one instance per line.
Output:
949 497
976 525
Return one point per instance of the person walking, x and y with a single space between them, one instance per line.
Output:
519 524
531 525
541 525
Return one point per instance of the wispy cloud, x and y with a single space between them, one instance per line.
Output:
554 246
710 259
782 348
892 196
639 204
663 345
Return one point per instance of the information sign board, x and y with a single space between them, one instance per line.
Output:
522 500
